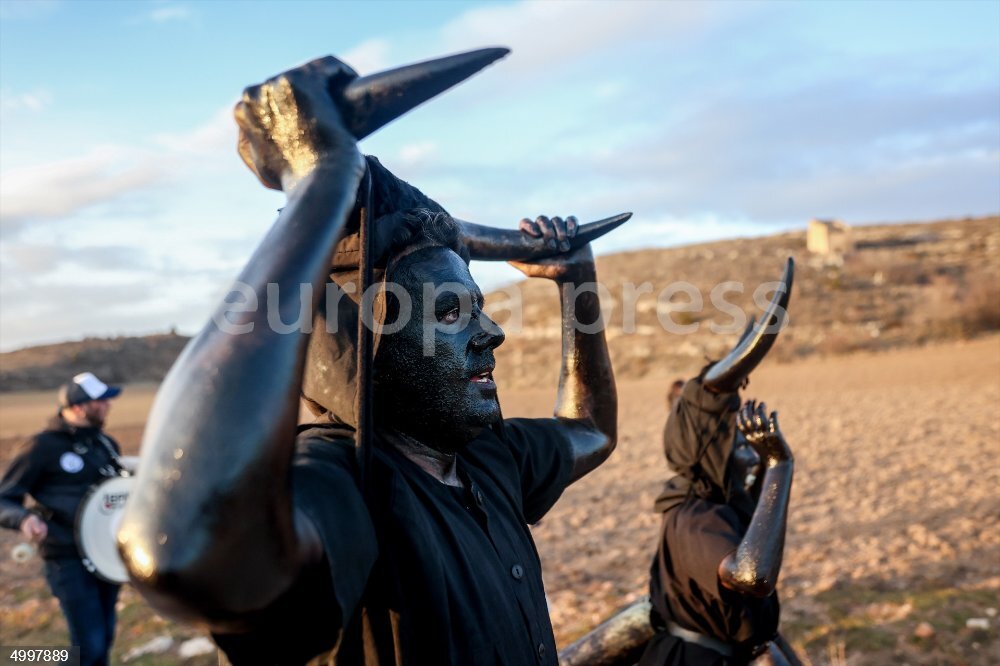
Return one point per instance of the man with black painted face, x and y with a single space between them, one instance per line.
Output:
267 537
434 376
725 513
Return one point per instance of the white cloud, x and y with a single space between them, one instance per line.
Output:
27 9
46 315
40 258
170 13
34 100
610 89
59 189
546 34
834 145
368 57
417 154
216 135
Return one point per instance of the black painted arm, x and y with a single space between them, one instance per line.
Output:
587 401
753 569
209 534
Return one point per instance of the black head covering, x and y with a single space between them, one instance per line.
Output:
698 443
329 386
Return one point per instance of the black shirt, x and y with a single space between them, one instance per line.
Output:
57 468
423 573
685 588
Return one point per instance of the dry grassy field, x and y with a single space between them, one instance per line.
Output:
895 520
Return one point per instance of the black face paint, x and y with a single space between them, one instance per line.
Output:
446 397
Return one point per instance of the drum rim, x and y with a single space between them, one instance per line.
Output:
85 556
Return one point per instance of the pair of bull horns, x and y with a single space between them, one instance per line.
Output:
728 374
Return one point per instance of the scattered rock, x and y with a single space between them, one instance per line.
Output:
886 613
22 552
924 630
195 647
977 623
158 645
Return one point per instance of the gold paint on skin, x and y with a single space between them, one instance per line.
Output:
286 126
746 570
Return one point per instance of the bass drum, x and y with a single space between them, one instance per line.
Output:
97 522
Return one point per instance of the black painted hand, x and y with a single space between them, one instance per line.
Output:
555 232
763 433
290 125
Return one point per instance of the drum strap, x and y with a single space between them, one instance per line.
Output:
116 460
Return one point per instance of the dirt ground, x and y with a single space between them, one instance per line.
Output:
895 512
894 541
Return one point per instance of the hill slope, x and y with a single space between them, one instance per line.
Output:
115 360
905 284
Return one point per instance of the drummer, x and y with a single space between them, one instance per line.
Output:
56 468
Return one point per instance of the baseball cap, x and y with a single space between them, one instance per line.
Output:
84 388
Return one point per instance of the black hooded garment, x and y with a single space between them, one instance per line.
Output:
329 385
705 517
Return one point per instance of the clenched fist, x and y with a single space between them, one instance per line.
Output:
290 124
556 233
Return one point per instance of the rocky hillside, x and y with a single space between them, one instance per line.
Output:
115 360
903 285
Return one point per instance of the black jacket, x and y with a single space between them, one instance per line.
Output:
57 467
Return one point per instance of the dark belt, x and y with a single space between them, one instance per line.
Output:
688 636
725 649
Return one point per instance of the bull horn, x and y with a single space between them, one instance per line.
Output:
492 244
747 331
373 101
729 373
619 640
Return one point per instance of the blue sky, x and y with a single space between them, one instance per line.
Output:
125 210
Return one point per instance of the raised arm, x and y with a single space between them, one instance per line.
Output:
209 533
587 403
753 569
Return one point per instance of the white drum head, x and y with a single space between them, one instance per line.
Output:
97 522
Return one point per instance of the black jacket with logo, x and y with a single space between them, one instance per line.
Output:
56 467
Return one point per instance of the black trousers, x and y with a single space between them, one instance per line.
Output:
89 606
